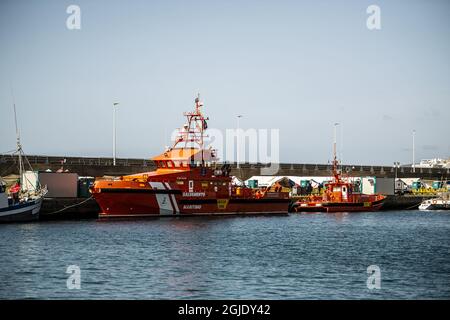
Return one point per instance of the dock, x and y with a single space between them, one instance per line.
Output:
68 209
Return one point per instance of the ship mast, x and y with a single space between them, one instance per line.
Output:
18 144
193 131
335 161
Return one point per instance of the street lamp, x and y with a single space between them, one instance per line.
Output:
414 151
238 141
335 142
396 166
114 132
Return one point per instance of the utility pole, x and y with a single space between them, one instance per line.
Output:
335 142
414 151
396 165
114 132
238 136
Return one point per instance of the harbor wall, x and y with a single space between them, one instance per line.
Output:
87 208
404 202
69 208
97 167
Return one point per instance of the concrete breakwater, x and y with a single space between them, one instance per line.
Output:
97 167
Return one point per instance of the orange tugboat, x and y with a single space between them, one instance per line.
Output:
187 181
339 196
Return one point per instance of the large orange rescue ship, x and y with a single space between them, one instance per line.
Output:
187 181
339 196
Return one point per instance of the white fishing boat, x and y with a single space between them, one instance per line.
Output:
26 209
435 204
22 202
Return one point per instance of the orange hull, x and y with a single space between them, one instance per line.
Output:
132 201
372 203
187 181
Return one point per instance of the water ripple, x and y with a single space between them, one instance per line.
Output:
316 256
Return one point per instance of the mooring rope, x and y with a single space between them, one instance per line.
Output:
416 205
71 206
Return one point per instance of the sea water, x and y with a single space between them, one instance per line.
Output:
297 256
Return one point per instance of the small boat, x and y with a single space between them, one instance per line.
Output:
23 208
435 204
188 181
339 195
24 201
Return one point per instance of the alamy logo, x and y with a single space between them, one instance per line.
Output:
374 279
239 145
74 280
374 20
73 21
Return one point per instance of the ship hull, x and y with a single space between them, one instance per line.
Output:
429 205
26 212
148 204
340 207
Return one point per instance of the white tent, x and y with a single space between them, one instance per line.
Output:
315 181
266 181
236 181
409 181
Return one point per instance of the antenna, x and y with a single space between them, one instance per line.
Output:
335 161
18 145
15 114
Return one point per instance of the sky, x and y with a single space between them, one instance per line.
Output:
295 66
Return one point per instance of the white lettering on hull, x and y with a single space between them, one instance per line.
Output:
194 194
192 206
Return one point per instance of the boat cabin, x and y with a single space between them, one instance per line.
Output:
3 195
184 159
338 192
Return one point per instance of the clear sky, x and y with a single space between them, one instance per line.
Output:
299 66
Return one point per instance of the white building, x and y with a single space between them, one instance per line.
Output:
434 163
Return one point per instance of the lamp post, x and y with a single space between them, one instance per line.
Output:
335 142
238 136
414 151
114 132
396 165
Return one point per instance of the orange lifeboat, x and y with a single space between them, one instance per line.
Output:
339 196
187 181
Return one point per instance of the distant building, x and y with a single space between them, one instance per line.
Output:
434 163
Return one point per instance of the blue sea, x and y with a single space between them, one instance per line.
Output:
297 256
